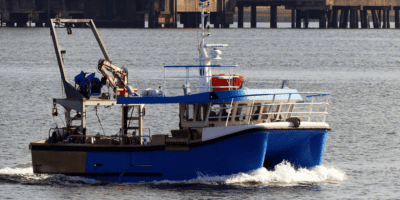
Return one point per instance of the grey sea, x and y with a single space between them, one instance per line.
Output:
359 68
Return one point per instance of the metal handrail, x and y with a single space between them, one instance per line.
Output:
280 114
188 77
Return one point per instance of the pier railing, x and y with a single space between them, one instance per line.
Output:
268 108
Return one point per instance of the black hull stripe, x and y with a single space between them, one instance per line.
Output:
87 148
141 174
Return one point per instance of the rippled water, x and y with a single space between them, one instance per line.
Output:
358 67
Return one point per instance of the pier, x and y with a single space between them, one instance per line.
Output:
165 13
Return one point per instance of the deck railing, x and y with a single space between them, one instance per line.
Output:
311 107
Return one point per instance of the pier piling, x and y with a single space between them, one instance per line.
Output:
334 19
306 20
298 18
388 18
322 20
273 17
384 24
253 16
374 18
293 18
396 17
240 16
379 18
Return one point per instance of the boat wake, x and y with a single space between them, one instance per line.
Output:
26 176
283 175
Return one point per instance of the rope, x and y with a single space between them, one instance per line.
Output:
95 108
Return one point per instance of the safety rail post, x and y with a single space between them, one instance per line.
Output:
289 105
187 76
311 107
165 77
326 109
272 104
279 112
208 114
251 111
229 113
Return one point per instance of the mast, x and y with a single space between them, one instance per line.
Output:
205 60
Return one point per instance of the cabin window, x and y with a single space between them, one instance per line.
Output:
284 109
214 113
256 111
188 115
226 108
201 112
265 110
273 109
241 112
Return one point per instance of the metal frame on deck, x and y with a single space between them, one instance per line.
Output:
74 99
70 91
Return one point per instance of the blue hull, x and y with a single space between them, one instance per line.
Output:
231 154
241 153
302 148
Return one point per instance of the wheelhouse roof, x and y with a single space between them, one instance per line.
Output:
216 97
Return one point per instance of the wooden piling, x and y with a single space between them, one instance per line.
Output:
322 20
364 18
396 19
240 17
298 18
374 18
384 19
334 19
379 18
306 20
341 18
346 18
357 19
253 16
151 21
329 15
293 18
388 19
352 18
274 17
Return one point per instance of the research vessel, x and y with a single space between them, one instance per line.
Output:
224 127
